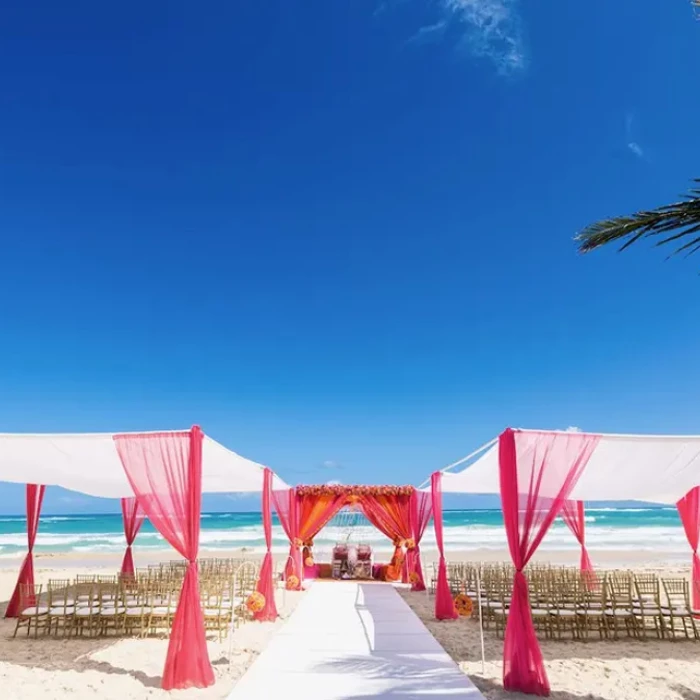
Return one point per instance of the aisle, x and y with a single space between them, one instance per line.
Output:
350 641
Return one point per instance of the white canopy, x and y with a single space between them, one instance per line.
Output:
657 468
89 463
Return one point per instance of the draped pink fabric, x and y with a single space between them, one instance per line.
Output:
537 473
391 515
265 583
574 515
34 495
689 510
165 473
421 510
133 517
286 506
444 604
302 518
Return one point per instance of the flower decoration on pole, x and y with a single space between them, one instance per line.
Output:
464 605
292 583
255 602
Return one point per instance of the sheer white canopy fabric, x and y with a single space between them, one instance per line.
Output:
657 468
89 463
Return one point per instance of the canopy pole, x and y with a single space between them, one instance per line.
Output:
490 443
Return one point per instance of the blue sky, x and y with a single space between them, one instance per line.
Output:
339 232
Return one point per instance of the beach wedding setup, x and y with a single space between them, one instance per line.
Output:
351 607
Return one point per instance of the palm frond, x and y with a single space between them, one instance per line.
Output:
681 220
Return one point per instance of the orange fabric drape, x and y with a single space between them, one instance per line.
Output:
391 514
303 517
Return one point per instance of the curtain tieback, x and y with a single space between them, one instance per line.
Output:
410 543
297 542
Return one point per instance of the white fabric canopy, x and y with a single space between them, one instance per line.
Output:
657 468
89 463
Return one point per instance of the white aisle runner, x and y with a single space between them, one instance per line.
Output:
354 641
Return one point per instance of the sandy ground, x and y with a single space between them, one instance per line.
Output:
131 668
113 668
592 670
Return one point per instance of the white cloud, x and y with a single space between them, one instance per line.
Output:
430 32
330 464
636 149
491 29
334 483
632 145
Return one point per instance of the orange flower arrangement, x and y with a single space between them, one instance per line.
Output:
410 543
255 602
292 583
309 561
298 542
464 605
356 490
413 577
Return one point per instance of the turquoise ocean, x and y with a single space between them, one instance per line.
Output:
611 529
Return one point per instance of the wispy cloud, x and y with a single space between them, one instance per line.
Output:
334 483
430 32
492 29
632 145
330 464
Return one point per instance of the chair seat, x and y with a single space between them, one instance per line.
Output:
160 611
540 611
111 612
55 612
85 612
618 612
564 612
37 610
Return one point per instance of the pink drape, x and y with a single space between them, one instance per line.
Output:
689 510
34 495
286 506
421 510
444 605
391 515
537 473
133 517
574 515
165 473
265 584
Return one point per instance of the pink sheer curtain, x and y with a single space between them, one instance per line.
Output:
689 510
574 515
286 506
444 604
421 510
391 515
265 584
537 473
34 495
165 473
133 518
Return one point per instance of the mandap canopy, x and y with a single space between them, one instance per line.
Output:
544 474
162 476
400 512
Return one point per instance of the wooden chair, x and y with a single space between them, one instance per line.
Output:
61 607
32 613
678 610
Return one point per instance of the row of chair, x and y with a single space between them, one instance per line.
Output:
141 605
568 603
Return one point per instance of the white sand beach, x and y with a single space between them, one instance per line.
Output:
131 668
109 667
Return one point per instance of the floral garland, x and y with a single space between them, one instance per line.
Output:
413 577
353 491
255 602
464 605
292 583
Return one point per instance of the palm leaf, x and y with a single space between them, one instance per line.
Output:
681 220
